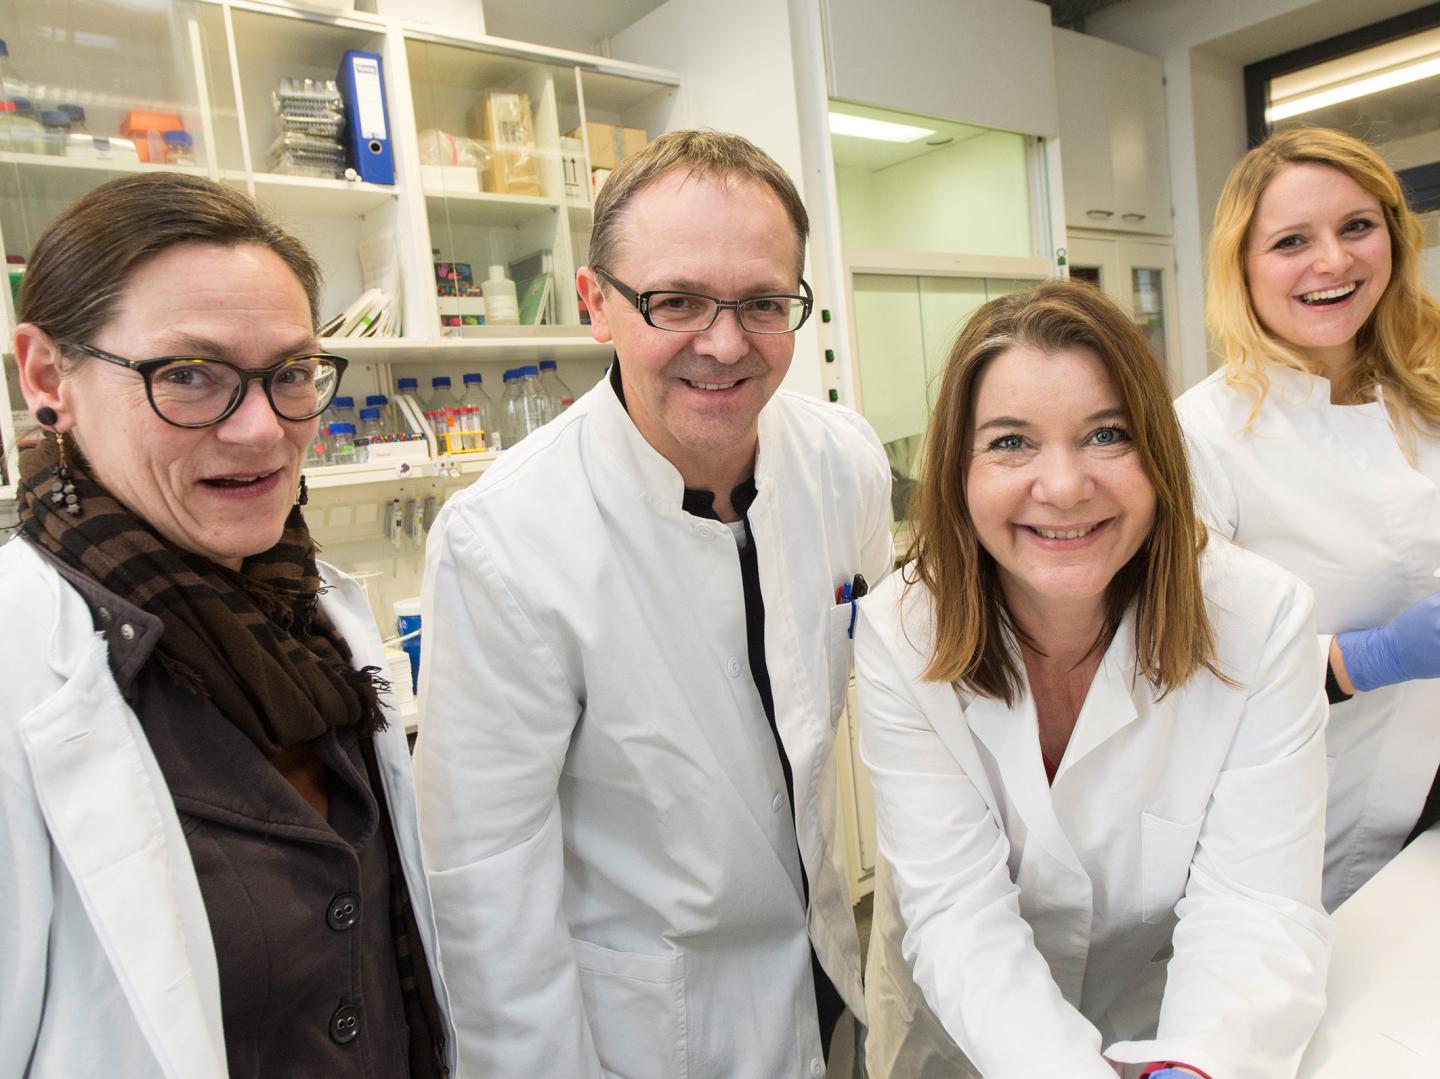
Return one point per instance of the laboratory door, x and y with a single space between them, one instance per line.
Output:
905 325
1140 276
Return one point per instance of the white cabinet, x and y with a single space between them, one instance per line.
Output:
1112 136
984 62
1140 276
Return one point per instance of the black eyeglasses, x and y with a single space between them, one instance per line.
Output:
690 312
192 391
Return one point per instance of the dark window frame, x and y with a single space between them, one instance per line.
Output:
1422 182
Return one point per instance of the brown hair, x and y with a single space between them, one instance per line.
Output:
1398 346
711 155
85 257
1173 637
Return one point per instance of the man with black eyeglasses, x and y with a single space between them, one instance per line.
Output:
637 645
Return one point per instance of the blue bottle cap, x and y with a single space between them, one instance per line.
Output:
22 104
440 380
342 428
54 118
75 112
473 376
178 138
547 365
379 400
530 369
4 49
409 384
370 414
344 402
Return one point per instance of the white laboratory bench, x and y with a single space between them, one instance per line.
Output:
1383 1011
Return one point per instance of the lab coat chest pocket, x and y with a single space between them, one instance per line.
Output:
637 1008
839 653
1166 848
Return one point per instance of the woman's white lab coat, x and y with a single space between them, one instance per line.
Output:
1325 491
108 965
1041 920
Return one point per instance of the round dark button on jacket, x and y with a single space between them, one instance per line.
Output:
344 911
345 1024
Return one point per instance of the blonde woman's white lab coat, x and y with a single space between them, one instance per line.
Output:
107 967
615 871
1040 921
1326 491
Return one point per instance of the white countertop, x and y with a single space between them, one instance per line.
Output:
1383 1014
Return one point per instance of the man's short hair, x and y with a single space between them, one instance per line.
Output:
711 155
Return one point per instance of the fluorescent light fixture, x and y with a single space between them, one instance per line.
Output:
1348 91
862 127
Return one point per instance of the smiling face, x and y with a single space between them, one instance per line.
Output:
1317 261
696 397
222 491
1054 487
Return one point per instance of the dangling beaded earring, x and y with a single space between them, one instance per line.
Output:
303 498
62 491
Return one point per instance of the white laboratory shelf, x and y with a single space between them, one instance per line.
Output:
493 344
100 169
485 209
322 477
316 196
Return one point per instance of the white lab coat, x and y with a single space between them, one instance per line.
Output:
611 851
1326 492
109 968
1041 920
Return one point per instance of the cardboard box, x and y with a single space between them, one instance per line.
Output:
448 179
610 144
502 118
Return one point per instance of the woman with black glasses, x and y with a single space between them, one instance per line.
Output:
208 854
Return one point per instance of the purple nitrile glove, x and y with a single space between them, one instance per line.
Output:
1405 648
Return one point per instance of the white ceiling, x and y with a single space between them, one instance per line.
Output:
565 24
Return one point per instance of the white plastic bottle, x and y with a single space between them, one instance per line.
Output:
501 306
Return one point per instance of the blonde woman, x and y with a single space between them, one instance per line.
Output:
1316 446
1095 736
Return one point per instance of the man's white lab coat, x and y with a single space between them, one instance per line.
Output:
616 873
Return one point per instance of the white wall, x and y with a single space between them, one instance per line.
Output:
972 197
1205 45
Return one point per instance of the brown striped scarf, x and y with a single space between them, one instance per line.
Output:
253 641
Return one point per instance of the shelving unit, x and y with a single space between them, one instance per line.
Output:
215 63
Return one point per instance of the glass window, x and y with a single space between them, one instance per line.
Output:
904 328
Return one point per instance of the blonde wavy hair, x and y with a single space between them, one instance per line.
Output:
1173 636
1399 345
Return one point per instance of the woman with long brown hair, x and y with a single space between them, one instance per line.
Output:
209 856
1095 736
1317 445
